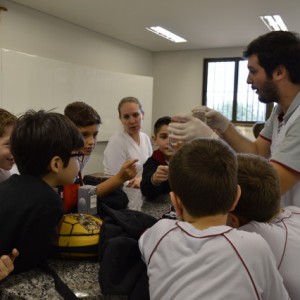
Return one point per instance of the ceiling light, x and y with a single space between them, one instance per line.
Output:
274 22
166 34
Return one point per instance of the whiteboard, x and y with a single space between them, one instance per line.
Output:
35 82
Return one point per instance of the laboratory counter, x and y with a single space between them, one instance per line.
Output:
80 275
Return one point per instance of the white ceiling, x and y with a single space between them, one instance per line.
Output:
203 23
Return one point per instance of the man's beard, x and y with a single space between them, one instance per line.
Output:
268 93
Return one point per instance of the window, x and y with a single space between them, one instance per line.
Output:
225 89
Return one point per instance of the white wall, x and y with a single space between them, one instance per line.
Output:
29 31
178 79
32 32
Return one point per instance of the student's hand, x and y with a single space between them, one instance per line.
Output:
161 174
128 170
185 127
216 120
7 263
135 183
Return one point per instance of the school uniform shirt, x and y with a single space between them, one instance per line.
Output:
29 213
283 236
283 132
84 162
4 174
215 263
121 147
148 189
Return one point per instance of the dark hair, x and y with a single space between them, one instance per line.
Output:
260 197
160 122
39 136
82 114
277 48
129 100
203 173
6 119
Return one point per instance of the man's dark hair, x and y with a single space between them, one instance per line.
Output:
203 174
82 114
277 48
166 120
39 136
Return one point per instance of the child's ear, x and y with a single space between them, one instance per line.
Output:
233 220
237 197
154 139
55 164
177 204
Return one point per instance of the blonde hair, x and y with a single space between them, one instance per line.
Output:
128 100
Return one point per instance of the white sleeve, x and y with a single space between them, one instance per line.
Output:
142 247
267 272
274 288
114 155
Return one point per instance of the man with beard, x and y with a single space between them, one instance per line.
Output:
274 72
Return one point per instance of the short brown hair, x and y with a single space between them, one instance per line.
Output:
128 100
260 197
6 119
203 173
82 114
166 120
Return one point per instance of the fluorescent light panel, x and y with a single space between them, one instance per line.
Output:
274 22
166 34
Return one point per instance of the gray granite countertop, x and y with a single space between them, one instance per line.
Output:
157 207
80 275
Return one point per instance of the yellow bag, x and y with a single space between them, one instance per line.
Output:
78 236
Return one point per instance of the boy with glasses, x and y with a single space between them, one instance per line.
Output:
45 148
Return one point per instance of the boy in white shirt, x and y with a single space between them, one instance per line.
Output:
198 256
258 210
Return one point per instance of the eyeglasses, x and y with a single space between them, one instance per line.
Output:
80 156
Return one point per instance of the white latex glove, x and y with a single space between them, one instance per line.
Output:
216 120
185 127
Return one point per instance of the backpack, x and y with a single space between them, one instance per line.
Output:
77 236
122 271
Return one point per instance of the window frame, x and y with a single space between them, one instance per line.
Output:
236 61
